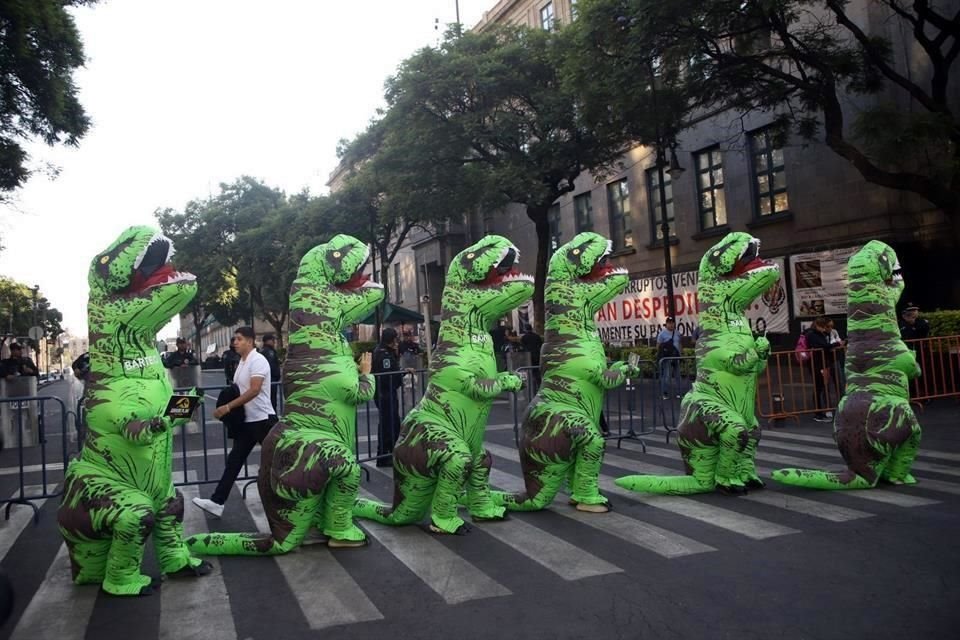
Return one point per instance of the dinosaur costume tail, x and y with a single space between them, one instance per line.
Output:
825 480
239 544
670 485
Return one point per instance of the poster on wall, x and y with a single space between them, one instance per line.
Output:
820 282
638 314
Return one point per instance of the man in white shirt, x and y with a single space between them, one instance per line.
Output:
253 380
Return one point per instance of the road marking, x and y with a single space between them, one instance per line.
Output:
918 465
20 516
450 576
559 556
802 437
196 608
650 537
736 522
326 594
876 495
831 512
807 507
59 609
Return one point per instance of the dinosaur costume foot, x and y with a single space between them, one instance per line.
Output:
191 570
491 518
141 586
732 489
907 479
449 526
592 508
337 543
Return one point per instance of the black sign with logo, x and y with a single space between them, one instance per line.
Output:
181 406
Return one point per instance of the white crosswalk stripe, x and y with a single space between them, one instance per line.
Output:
20 516
829 441
329 594
749 526
918 465
546 549
876 495
450 576
59 609
187 610
326 593
647 536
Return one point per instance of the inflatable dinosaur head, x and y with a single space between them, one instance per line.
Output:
582 268
331 287
875 270
134 287
732 275
483 279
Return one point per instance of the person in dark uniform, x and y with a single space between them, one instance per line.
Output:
532 343
269 351
231 360
912 328
386 368
182 357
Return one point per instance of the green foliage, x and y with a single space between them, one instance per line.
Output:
245 244
39 50
494 103
943 323
360 348
797 61
17 313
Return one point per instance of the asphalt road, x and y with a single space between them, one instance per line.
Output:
780 563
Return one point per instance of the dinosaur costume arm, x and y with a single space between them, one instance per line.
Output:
613 377
363 392
744 361
479 388
144 431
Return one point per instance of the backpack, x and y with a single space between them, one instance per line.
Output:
802 352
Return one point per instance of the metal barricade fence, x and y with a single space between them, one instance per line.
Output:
44 455
673 377
939 360
790 387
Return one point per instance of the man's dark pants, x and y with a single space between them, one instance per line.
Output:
248 437
388 407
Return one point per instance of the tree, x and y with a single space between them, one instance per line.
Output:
245 245
197 237
39 50
18 314
810 62
394 187
496 101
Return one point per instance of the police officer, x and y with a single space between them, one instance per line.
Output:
386 367
269 351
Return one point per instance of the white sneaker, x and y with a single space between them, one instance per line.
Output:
829 414
211 507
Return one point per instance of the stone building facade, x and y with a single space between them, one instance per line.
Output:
798 199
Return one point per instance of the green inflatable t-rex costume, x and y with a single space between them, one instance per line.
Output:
440 449
875 427
308 463
560 437
719 432
120 490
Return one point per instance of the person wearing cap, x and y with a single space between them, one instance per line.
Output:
389 376
668 346
182 357
268 349
18 364
913 326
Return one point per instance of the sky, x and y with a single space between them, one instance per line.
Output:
184 95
